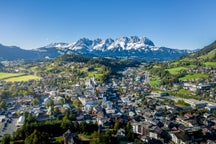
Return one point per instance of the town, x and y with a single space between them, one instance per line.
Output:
126 98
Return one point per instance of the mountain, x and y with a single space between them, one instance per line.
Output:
206 54
125 47
16 53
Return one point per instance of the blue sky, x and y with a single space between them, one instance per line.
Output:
182 24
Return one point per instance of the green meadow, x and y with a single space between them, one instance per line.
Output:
15 77
212 64
176 70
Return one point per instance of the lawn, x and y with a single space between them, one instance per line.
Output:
59 139
212 64
154 81
96 74
4 75
84 69
209 55
14 77
22 78
176 70
156 66
181 103
194 76
175 63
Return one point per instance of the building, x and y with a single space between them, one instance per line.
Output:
2 118
195 103
20 121
139 128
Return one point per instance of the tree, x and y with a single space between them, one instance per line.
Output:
116 126
62 101
130 134
35 101
3 104
37 137
77 103
6 139
50 103
214 113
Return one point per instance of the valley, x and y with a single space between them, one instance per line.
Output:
99 100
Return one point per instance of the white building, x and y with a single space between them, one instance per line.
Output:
195 103
20 121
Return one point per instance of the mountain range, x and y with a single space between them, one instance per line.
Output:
125 47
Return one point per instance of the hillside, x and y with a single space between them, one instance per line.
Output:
196 69
204 57
16 53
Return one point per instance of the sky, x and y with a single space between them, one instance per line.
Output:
181 24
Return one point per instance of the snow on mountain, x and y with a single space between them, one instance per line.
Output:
140 47
125 43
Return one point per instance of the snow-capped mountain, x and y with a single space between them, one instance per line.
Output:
124 43
125 47
134 47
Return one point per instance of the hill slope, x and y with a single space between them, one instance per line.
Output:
196 67
208 53
16 53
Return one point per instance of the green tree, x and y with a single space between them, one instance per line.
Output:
35 101
214 113
3 104
6 139
116 126
50 103
37 138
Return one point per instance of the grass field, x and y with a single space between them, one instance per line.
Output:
9 75
194 76
181 103
156 66
176 70
97 75
154 81
97 72
14 77
212 64
209 55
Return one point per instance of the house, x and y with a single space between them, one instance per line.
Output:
189 86
139 128
105 122
170 125
188 116
204 87
180 138
121 132
110 111
88 100
2 118
58 100
53 93
186 122
155 132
